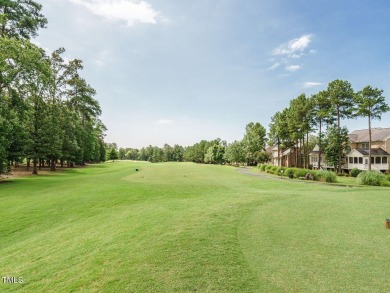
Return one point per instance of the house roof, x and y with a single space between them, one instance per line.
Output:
377 134
315 150
374 152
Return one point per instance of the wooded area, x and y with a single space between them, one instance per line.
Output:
48 113
47 109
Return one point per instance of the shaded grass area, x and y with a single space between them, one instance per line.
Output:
185 227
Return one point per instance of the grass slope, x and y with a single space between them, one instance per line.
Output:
185 227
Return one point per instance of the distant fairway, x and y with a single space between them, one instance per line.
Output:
181 227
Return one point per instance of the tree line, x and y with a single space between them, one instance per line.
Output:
250 150
48 113
307 121
321 114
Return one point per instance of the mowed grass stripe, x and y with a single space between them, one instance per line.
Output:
175 228
324 241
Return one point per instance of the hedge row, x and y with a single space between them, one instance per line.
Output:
373 178
324 176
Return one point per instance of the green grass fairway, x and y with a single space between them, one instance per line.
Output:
181 227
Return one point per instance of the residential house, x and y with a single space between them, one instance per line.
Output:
273 155
380 149
314 158
288 157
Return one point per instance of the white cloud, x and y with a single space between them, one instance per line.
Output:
310 84
293 48
293 68
164 121
290 52
130 12
274 66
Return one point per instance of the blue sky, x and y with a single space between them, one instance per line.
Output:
176 72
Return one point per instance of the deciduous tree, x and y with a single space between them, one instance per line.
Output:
254 140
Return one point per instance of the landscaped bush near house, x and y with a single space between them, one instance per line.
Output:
262 168
355 172
326 176
279 171
288 171
298 172
273 170
385 183
372 178
268 168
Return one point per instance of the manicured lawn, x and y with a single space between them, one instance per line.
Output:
181 227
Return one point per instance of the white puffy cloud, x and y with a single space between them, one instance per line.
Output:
290 52
293 48
292 68
130 12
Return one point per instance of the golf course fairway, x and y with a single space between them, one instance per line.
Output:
184 227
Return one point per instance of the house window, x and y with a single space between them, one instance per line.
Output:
384 160
372 160
355 160
350 160
377 160
364 145
360 160
314 159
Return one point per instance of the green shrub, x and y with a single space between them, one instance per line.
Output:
279 171
355 172
297 172
263 167
373 178
288 171
326 176
274 169
312 172
385 183
259 166
300 172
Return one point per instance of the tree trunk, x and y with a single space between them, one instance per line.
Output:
319 147
302 153
296 151
53 164
35 171
28 164
62 163
369 143
338 130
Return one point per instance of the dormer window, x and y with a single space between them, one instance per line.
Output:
365 145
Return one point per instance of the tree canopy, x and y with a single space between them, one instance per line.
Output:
48 111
